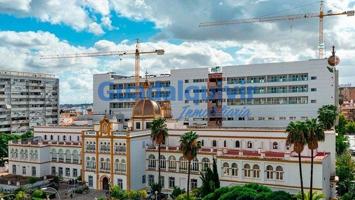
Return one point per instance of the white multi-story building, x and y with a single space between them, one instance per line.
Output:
27 100
257 95
248 149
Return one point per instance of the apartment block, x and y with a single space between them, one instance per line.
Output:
27 100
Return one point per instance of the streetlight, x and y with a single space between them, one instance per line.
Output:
50 188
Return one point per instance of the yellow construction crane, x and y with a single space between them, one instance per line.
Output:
137 53
319 15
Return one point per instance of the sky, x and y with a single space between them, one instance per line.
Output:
32 28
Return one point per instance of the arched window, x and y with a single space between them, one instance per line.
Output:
123 165
22 155
205 164
107 164
183 164
279 173
54 155
256 171
224 143
25 154
202 143
76 156
102 163
194 165
67 156
61 155
250 144
275 145
117 161
64 138
16 153
269 172
162 162
237 144
151 161
93 162
172 163
234 169
226 169
51 137
247 170
88 162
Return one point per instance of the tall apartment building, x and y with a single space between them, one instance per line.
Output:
256 95
27 100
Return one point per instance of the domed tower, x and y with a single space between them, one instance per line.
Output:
145 111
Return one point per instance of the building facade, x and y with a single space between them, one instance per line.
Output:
27 100
257 95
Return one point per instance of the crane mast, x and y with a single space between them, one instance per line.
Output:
319 15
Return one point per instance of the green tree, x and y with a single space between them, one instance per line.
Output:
210 180
189 147
176 192
22 195
345 170
4 140
314 134
349 195
159 132
38 194
342 144
296 137
327 115
340 128
350 127
117 193
314 196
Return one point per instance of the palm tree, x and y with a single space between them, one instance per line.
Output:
159 132
314 134
315 196
327 115
296 136
189 147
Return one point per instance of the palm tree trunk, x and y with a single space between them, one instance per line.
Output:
159 165
301 178
311 183
188 180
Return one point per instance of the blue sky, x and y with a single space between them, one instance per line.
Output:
31 28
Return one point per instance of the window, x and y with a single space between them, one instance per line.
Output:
162 181
138 125
250 145
275 145
193 183
64 138
187 81
247 170
14 169
45 137
269 172
51 137
214 143
279 173
226 169
234 169
24 170
313 101
143 179
91 181
225 143
148 125
75 173
171 182
60 171
120 183
34 171
313 89
237 144
150 179
53 171
256 171
67 171
202 143
313 77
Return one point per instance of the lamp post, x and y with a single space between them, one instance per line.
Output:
53 189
